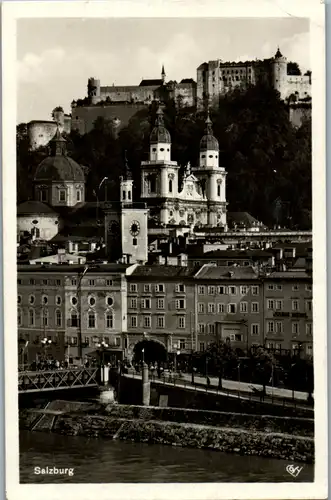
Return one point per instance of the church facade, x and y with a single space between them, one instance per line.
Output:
200 200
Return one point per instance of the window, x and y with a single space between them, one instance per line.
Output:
145 303
31 317
109 301
180 304
201 327
19 316
309 350
270 345
255 329
221 308
295 288
62 195
244 290
232 308
159 288
74 282
255 290
232 290
31 299
255 307
271 304
279 305
133 287
19 282
279 288
243 307
74 301
58 300
182 344
87 341
202 346
308 288
78 195
309 329
58 318
170 186
44 318
91 301
222 290
295 328
32 281
270 327
180 288
109 282
129 195
74 340
295 305
123 195
212 308
270 287
160 321
181 321
147 288
160 304
134 303
91 320
134 242
134 322
218 190
147 321
201 290
44 282
279 327
211 290
109 320
308 305
211 328
91 282
201 308
43 195
73 320
19 299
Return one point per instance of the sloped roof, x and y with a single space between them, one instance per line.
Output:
227 273
159 271
34 207
243 218
151 83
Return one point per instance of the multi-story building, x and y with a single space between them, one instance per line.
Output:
78 307
288 321
161 305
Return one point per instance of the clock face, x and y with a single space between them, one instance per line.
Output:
135 228
113 227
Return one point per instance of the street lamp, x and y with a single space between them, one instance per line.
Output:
46 343
177 353
104 375
102 345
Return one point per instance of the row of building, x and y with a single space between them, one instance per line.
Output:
180 308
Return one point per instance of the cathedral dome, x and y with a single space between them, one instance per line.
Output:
160 133
58 166
208 141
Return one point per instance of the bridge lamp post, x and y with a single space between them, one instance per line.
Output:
104 376
46 343
177 353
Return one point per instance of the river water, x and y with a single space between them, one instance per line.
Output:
107 461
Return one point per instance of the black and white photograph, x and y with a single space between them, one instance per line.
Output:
169 206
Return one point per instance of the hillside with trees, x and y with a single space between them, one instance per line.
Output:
267 159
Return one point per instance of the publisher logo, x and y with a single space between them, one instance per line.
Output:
294 470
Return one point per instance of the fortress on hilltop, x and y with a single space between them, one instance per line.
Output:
214 79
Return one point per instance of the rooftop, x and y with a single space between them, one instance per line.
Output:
226 272
159 271
73 269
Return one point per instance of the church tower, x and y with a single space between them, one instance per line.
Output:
126 185
163 75
212 177
159 175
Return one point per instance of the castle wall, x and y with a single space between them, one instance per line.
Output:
128 94
40 132
298 114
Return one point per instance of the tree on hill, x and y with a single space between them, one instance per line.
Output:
293 68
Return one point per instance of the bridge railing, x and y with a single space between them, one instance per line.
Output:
48 380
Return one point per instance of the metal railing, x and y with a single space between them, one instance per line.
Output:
51 380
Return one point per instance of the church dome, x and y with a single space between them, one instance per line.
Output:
58 166
159 132
208 141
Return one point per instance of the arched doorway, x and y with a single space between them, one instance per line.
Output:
149 351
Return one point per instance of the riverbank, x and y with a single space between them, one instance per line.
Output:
268 436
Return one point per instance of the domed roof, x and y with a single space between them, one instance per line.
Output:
58 166
278 54
159 132
208 141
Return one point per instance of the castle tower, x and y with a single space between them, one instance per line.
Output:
163 75
279 73
126 184
212 177
93 90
